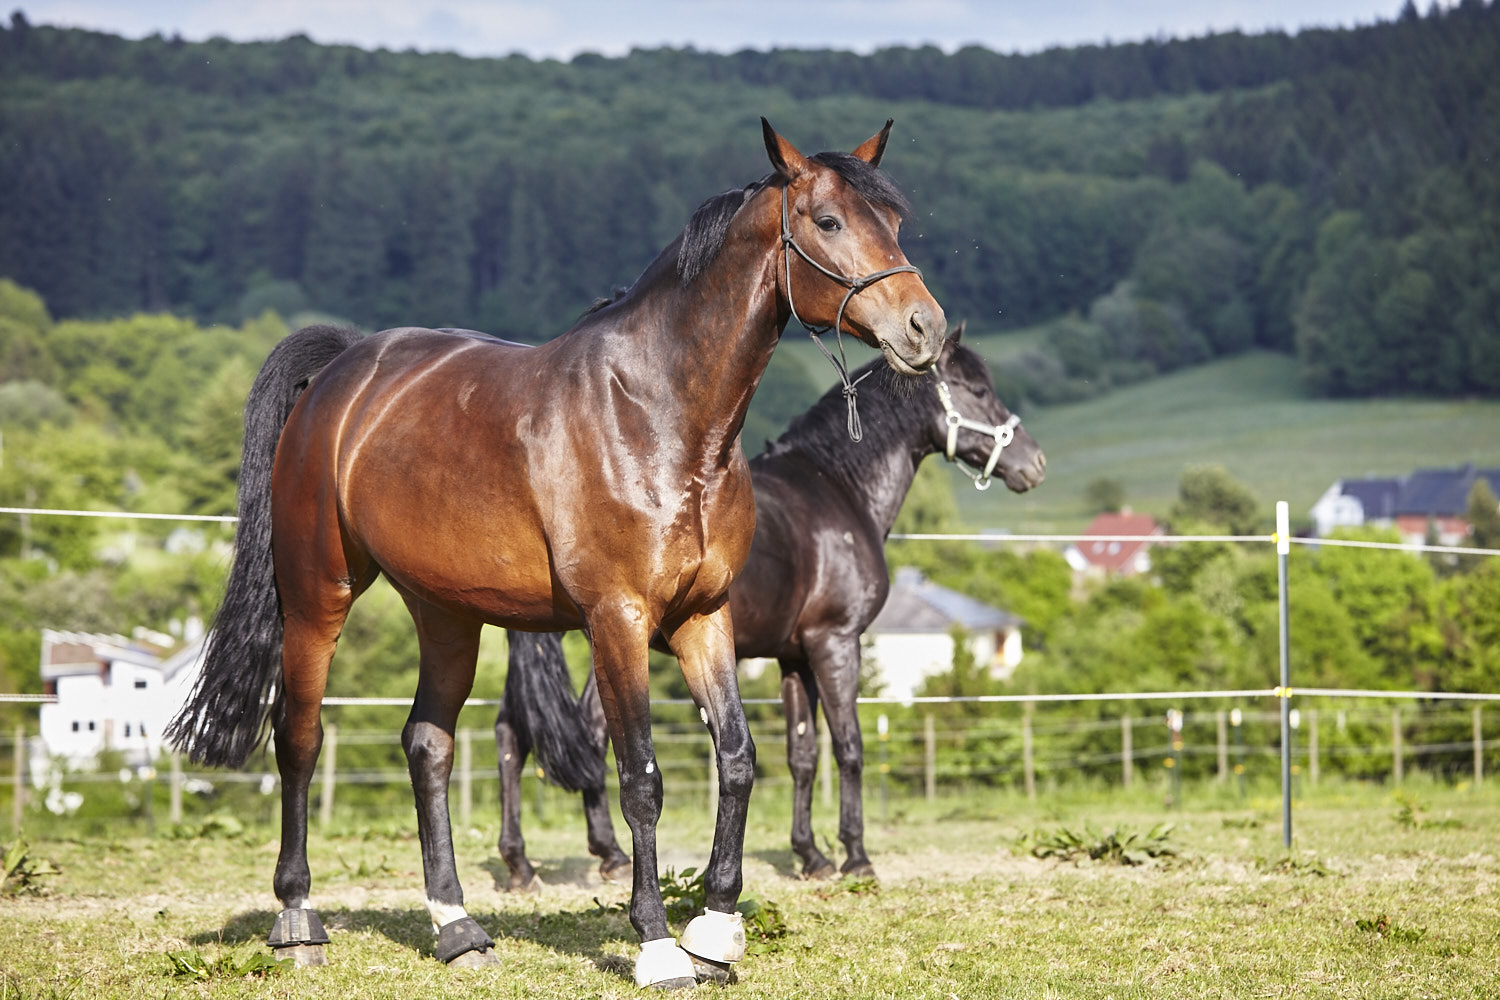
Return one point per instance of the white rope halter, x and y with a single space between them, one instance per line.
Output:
1003 434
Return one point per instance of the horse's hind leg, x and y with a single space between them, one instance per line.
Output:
512 753
614 864
449 646
835 663
310 634
799 700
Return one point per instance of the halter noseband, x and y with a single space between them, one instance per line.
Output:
1003 434
854 285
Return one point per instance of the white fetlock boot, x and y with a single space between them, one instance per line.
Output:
664 965
715 941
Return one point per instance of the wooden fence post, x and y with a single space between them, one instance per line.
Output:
929 736
1222 723
1127 748
174 788
1398 764
1478 748
1312 745
18 787
465 779
1026 754
825 762
330 768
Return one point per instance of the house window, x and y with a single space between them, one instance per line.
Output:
127 730
91 725
75 725
140 683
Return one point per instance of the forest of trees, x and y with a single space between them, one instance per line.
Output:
1331 193
168 210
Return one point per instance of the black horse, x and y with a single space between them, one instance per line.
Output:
815 579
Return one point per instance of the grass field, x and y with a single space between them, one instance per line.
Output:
1374 901
1246 413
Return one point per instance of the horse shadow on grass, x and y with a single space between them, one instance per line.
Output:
592 932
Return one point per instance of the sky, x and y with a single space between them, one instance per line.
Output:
563 28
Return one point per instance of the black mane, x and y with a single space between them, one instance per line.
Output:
891 406
704 234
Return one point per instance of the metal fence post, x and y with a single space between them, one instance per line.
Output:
929 737
1127 748
1283 547
330 769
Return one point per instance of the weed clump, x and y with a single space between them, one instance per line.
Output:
1113 846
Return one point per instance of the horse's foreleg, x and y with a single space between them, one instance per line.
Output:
835 663
614 864
511 755
449 645
704 645
799 700
619 638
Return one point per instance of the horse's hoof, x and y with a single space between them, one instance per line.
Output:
819 873
860 869
475 959
715 936
615 870
302 954
664 966
298 934
525 886
709 971
459 939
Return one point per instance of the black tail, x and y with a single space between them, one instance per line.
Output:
225 717
542 709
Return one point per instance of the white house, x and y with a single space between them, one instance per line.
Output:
912 637
113 693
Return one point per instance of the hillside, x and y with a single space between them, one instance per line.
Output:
1330 194
1244 413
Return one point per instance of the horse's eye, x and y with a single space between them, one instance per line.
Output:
829 224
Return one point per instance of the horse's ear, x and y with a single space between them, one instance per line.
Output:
784 156
958 331
873 148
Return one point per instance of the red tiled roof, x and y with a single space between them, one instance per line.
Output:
1116 556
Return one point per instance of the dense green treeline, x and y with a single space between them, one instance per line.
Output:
1330 193
1206 618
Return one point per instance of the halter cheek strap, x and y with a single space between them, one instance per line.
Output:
1003 434
855 285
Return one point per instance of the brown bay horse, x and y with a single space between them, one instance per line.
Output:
815 580
594 482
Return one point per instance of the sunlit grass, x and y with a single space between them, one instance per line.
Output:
1364 905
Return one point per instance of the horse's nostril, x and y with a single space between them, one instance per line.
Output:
916 322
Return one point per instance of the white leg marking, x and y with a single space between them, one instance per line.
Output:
444 914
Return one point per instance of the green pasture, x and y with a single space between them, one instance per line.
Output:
1384 895
1247 413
